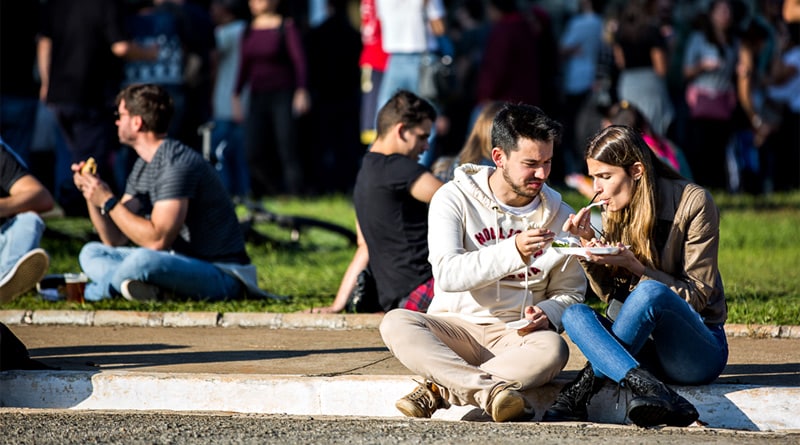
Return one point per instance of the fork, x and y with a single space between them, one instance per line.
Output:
595 204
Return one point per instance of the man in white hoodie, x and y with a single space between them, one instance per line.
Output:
489 236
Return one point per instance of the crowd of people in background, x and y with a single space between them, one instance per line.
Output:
289 91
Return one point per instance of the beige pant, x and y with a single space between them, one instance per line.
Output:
467 360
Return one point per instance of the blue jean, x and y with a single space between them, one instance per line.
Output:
107 267
656 327
402 73
18 236
227 143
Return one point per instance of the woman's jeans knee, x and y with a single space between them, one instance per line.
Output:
686 350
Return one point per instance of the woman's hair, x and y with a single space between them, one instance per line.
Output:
634 20
623 146
705 25
624 113
479 143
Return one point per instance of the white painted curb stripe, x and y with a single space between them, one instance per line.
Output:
745 407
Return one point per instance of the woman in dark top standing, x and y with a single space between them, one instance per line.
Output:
273 66
640 53
709 69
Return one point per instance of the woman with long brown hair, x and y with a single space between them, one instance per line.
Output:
664 292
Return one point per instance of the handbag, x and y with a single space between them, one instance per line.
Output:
364 298
437 78
707 103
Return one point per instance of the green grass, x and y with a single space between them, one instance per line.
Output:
758 259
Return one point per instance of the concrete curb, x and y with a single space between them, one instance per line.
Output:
743 407
270 320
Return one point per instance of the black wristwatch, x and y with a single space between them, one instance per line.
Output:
108 205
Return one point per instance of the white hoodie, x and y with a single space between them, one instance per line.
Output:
480 277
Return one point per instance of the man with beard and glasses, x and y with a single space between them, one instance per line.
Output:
489 236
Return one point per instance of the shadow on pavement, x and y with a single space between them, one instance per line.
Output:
126 357
784 374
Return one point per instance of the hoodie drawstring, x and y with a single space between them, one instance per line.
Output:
497 241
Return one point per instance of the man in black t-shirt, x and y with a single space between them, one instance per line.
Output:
175 210
22 262
391 198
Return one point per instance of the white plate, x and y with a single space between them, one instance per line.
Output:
583 250
519 324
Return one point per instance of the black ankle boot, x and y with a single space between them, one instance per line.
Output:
654 403
570 405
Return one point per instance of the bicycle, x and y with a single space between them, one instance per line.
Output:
257 213
296 224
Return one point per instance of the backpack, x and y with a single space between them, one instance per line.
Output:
14 354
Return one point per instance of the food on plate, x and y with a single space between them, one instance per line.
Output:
560 244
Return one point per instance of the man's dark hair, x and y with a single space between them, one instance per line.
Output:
404 107
516 121
152 102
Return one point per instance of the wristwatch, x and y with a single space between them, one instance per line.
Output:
108 205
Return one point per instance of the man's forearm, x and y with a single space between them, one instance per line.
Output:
108 232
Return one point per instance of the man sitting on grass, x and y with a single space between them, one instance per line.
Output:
175 209
22 262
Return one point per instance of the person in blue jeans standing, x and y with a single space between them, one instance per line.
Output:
667 306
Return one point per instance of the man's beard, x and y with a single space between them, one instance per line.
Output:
516 188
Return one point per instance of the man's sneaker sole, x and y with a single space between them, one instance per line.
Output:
28 271
509 405
135 290
410 409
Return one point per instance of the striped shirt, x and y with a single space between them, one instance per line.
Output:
211 230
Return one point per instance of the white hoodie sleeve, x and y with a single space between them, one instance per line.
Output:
454 267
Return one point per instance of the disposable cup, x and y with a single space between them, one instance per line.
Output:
75 284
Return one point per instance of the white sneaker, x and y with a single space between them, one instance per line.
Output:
135 290
28 271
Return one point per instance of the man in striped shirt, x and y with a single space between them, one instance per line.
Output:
174 231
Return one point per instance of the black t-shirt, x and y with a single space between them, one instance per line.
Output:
19 24
636 46
11 169
394 225
83 70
